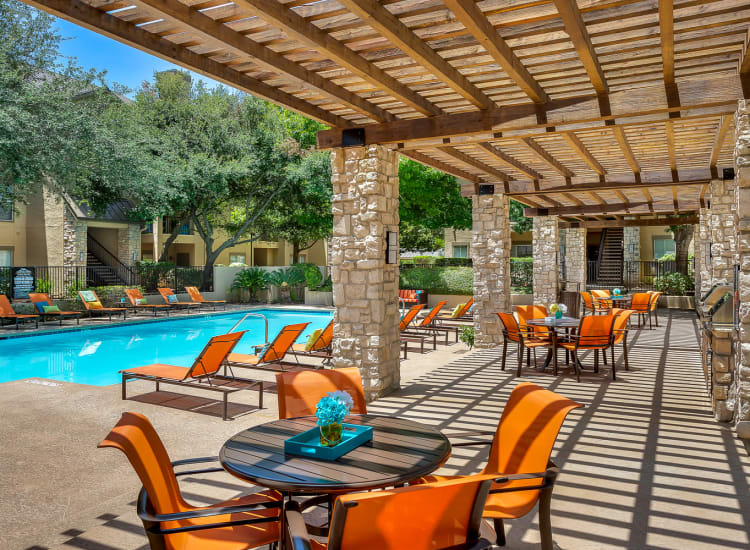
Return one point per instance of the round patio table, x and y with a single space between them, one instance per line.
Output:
400 451
621 299
553 325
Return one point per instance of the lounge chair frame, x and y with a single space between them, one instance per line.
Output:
274 365
165 292
18 317
194 292
60 316
132 297
103 310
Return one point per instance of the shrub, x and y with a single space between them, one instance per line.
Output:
463 262
327 286
439 280
467 336
43 284
252 279
154 274
290 275
312 274
426 260
675 284
522 272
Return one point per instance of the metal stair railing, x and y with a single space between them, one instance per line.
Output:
121 271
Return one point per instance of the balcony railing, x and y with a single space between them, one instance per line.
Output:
636 275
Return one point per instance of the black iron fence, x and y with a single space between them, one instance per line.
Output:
638 275
64 281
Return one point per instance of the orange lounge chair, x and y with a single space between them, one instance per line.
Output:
270 356
6 312
429 323
170 522
462 314
166 294
595 334
520 454
40 299
202 374
525 339
432 516
319 348
196 296
93 305
137 302
299 392
409 337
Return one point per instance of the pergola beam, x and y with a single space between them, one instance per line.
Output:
482 30
609 209
551 161
510 161
644 222
476 163
373 13
280 16
578 146
721 134
214 31
442 166
83 14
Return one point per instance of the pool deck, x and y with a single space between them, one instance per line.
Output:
644 465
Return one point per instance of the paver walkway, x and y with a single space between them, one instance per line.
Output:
644 464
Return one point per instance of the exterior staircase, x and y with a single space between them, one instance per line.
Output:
104 268
610 263
100 273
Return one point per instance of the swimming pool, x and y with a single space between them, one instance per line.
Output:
94 356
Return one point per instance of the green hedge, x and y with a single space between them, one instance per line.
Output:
439 280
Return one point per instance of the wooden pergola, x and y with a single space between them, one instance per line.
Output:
599 111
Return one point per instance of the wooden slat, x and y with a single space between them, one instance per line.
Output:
627 152
576 29
510 161
294 25
82 14
721 135
578 146
631 223
546 157
666 35
477 24
610 208
374 14
442 166
479 165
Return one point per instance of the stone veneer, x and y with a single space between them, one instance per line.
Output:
740 385
74 238
365 288
575 257
545 242
723 232
631 239
701 244
490 253
129 244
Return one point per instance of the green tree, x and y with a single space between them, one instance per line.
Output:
682 235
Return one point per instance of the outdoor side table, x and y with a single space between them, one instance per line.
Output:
400 451
553 324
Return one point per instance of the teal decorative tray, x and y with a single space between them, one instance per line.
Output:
308 443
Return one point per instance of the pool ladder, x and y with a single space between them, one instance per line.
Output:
238 323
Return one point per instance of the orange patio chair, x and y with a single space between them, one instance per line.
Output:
594 333
409 317
602 306
319 347
170 298
588 303
41 299
441 515
461 313
203 374
429 323
520 454
170 522
652 306
641 305
299 392
94 306
525 339
620 334
269 356
137 301
196 296
526 313
6 312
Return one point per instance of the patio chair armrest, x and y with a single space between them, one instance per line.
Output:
200 527
299 538
547 479
144 514
200 460
463 435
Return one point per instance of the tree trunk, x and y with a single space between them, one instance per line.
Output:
683 234
208 272
172 237
295 252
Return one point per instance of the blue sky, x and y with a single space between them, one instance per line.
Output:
123 64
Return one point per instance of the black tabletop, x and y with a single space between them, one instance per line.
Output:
564 322
401 450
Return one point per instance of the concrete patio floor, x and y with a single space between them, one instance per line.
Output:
644 465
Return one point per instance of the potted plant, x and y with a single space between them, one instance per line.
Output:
285 279
251 281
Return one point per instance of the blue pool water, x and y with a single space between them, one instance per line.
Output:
94 356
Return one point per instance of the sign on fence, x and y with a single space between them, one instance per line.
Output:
23 282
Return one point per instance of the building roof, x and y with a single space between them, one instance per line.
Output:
116 212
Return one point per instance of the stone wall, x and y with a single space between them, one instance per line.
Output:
490 253
702 243
365 288
740 388
631 242
575 257
545 242
129 244
74 238
723 232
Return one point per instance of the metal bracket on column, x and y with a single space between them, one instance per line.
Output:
353 137
727 174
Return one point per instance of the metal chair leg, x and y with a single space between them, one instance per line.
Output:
505 350
499 531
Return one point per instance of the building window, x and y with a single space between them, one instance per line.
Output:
460 251
6 257
663 246
522 251
236 258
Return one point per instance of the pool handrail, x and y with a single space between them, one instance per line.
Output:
238 323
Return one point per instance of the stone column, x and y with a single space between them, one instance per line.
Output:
365 288
575 257
723 232
740 387
75 244
631 242
545 241
701 247
129 244
490 254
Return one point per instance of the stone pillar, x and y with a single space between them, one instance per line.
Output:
365 288
740 388
129 244
575 257
723 232
545 241
75 244
490 253
701 248
631 242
